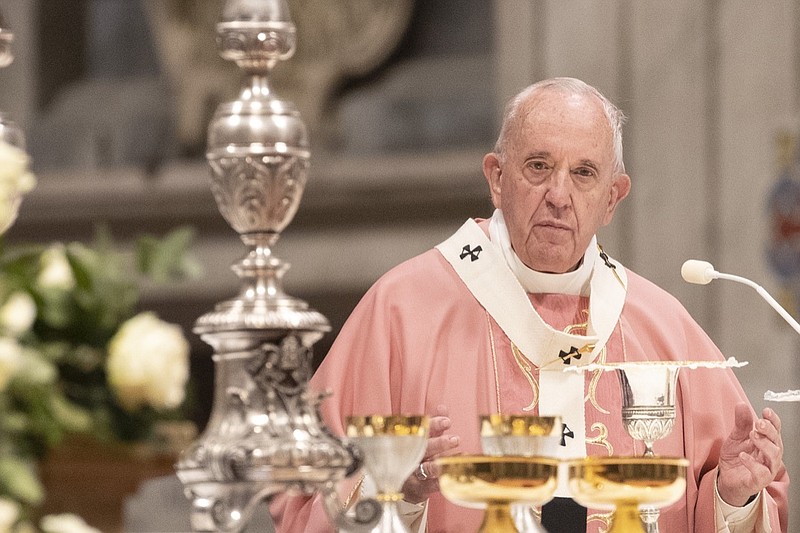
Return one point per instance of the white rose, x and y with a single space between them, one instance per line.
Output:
148 363
15 181
10 360
9 512
65 523
18 313
55 271
13 165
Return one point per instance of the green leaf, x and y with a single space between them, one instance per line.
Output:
71 417
167 259
36 370
19 480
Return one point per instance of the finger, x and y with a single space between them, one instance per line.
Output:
769 453
425 472
439 446
438 425
760 473
766 429
417 488
770 428
773 417
744 419
433 468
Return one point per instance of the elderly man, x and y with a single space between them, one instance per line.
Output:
486 321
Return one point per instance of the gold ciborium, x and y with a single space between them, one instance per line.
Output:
623 484
392 446
495 483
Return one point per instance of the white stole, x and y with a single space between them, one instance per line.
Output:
486 274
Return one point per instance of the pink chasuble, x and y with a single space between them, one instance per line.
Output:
419 339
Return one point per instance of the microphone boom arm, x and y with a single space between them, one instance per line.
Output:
764 294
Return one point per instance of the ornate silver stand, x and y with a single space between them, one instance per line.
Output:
265 435
10 132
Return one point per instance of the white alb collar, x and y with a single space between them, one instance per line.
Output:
576 282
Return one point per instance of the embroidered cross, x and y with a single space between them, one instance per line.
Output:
609 264
567 356
566 432
473 253
606 260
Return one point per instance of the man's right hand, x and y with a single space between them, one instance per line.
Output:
425 480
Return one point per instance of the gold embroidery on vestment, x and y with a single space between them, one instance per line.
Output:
604 518
602 437
494 362
592 395
525 366
580 329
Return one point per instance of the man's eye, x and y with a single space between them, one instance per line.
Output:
538 165
585 172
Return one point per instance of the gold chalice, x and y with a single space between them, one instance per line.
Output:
525 435
623 484
495 483
392 446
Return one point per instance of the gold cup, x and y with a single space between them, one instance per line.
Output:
495 483
624 483
523 435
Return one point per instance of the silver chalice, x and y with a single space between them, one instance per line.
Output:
648 391
392 446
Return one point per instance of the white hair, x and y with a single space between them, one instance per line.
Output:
615 116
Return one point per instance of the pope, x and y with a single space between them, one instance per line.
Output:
486 321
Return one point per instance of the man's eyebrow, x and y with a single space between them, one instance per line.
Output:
540 153
589 163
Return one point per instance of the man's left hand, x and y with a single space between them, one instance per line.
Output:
751 456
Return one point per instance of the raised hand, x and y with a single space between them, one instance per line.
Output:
751 457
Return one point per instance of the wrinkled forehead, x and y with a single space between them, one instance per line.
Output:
558 109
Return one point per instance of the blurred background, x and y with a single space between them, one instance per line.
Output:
402 99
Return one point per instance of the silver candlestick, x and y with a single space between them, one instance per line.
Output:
10 132
265 435
6 38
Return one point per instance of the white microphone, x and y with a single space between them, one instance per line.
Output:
702 272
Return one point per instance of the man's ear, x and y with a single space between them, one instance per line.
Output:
493 175
619 190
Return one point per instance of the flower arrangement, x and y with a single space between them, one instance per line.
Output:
76 354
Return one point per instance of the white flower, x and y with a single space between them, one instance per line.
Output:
9 512
15 181
10 360
66 523
148 363
55 273
18 313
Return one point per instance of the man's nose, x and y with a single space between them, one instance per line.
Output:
559 188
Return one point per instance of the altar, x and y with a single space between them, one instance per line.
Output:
397 142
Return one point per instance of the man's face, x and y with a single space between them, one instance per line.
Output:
556 184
